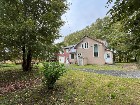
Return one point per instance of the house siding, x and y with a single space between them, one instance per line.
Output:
65 55
89 54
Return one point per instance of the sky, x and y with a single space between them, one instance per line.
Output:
82 13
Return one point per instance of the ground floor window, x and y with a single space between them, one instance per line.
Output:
96 50
72 56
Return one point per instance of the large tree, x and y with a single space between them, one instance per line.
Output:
128 13
27 25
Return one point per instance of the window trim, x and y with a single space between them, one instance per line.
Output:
85 45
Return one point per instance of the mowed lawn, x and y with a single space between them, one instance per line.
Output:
74 88
116 66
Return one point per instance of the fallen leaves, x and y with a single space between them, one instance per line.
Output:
14 86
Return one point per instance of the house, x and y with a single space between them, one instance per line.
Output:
66 56
87 51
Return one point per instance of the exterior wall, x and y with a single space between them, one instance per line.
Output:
65 55
85 61
89 54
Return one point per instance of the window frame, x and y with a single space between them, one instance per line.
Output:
97 50
71 56
85 45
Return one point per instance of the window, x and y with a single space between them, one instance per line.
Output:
87 44
84 45
67 50
108 56
80 54
96 50
72 56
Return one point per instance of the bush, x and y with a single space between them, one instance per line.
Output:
52 72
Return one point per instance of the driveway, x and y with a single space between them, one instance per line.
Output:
119 73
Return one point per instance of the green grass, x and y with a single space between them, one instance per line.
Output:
117 66
79 88
5 67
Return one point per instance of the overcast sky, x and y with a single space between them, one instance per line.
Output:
81 14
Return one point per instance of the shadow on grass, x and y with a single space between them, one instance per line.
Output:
38 95
10 76
33 94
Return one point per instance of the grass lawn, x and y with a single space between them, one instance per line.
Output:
117 66
76 88
5 67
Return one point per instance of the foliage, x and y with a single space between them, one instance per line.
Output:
128 13
50 52
28 26
52 72
113 34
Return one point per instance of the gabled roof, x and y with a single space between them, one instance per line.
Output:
97 40
70 46
108 50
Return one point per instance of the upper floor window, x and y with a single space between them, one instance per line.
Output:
96 50
85 45
67 50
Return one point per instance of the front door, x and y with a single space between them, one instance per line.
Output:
80 61
61 59
108 58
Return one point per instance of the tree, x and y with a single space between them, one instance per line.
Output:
50 52
128 13
113 34
28 25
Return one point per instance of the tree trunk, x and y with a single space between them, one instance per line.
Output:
114 57
24 58
27 58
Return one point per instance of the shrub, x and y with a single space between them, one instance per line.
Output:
52 72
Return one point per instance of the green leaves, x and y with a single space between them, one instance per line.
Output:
52 72
33 24
128 13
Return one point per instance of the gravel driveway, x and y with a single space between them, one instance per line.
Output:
125 74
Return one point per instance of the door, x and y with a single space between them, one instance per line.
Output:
80 61
61 60
108 58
